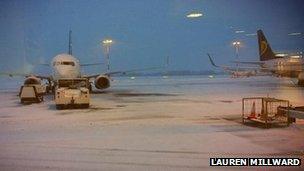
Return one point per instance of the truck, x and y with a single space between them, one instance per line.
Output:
72 93
32 91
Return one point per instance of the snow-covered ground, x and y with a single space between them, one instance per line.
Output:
146 123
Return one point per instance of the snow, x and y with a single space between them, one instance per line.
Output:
148 123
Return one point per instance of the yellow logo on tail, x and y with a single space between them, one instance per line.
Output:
263 47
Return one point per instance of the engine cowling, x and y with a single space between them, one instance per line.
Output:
301 79
32 80
102 82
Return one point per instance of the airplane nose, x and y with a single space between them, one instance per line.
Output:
66 73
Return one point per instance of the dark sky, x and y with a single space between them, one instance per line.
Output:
146 31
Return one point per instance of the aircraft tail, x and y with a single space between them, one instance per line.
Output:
70 43
265 50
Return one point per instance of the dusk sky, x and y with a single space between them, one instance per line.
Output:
146 31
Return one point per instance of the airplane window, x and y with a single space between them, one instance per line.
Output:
56 63
68 63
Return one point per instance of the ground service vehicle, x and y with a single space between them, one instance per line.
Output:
72 93
32 90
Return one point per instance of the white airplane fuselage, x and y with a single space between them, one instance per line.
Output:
65 66
287 66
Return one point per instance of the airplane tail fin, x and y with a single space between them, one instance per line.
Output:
70 43
265 50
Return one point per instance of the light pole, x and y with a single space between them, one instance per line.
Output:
236 45
107 44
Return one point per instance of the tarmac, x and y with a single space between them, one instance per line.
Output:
148 124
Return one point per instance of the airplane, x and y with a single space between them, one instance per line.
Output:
66 66
270 63
285 65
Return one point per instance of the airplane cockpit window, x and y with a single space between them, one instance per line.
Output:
56 63
68 63
64 63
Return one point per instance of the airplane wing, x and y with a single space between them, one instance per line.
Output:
109 74
12 74
91 64
260 70
44 64
249 62
212 62
123 72
231 69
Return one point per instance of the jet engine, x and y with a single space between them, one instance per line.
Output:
32 80
301 79
102 82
